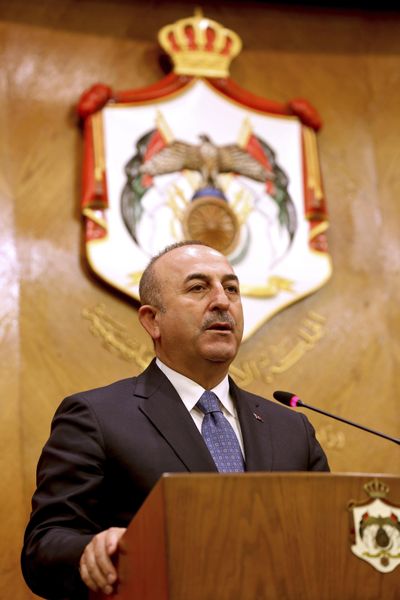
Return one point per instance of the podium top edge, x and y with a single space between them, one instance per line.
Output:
282 475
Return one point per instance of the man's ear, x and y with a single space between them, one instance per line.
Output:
148 318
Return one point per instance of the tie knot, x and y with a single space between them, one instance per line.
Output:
208 402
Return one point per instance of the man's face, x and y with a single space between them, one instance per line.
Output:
201 317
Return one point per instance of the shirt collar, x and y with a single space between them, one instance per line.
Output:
190 391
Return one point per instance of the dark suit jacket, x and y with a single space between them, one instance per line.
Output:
109 446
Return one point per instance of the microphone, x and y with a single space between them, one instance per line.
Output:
292 400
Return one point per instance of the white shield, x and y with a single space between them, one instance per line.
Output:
377 534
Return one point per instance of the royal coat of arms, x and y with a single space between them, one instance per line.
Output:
195 156
375 528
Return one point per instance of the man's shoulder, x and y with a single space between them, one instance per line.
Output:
99 400
110 389
116 389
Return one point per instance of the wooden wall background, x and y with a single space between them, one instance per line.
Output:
348 65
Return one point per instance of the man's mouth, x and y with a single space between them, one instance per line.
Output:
220 327
219 322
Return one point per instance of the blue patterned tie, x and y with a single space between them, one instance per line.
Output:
219 435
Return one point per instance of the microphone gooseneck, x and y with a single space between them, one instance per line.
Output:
289 399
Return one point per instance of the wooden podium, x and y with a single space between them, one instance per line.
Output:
252 536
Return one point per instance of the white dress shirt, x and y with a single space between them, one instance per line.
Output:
190 392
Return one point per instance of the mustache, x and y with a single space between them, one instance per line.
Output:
219 316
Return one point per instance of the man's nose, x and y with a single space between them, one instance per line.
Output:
219 298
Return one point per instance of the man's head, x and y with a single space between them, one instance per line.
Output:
150 285
191 308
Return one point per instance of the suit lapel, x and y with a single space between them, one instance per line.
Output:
162 405
255 430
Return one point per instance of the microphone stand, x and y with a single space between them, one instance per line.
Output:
323 412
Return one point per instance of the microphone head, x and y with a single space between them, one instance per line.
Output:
287 398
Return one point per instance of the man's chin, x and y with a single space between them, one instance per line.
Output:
220 350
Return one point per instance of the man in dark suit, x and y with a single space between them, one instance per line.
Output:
109 446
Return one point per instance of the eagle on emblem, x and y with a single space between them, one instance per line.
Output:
156 156
208 159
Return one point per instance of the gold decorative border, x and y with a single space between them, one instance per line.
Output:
115 338
274 360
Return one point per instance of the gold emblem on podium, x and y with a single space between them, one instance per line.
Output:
375 528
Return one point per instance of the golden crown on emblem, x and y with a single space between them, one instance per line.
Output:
376 489
200 46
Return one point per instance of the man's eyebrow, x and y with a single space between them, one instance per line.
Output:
204 277
229 277
192 276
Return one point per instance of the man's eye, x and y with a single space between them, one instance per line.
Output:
199 287
232 289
